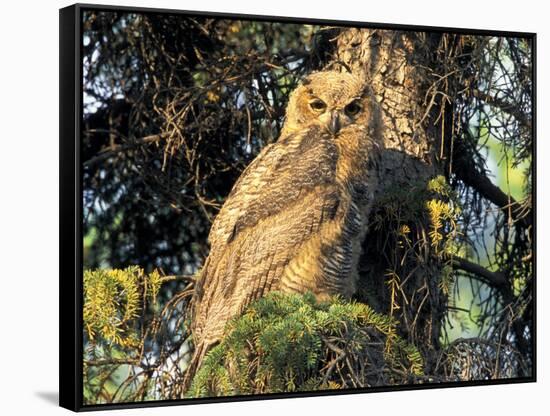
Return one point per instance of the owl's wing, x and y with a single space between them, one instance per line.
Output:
279 202
252 179
276 177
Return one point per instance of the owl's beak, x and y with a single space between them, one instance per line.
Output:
331 121
334 122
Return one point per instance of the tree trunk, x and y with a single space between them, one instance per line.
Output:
400 275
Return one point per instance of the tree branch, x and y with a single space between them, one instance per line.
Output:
179 278
112 361
494 279
504 106
471 176
114 150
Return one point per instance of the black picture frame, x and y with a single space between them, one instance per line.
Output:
71 210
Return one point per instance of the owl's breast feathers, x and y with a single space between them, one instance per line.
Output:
290 223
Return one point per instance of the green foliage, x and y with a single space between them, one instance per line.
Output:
120 321
444 211
434 201
294 343
422 223
113 302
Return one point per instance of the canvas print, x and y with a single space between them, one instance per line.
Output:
277 206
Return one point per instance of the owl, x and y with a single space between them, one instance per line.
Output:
295 219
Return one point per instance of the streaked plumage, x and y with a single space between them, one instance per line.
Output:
295 219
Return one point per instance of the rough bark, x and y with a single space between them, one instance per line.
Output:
395 65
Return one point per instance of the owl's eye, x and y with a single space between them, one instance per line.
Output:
352 108
317 105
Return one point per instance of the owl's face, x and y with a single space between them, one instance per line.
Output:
331 100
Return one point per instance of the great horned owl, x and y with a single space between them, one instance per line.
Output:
295 219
